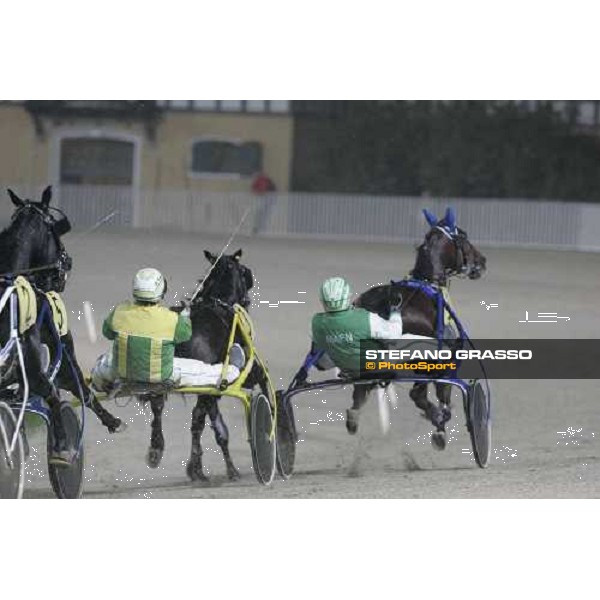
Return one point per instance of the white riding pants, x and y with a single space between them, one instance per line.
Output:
186 373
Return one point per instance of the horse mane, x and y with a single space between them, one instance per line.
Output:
7 239
423 268
208 283
10 237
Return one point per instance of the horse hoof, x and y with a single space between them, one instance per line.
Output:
233 474
62 458
153 457
194 471
118 427
352 421
438 440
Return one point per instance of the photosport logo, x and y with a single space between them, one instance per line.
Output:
495 359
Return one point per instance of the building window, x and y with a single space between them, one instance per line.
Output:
205 104
180 104
255 105
279 106
231 105
93 161
226 157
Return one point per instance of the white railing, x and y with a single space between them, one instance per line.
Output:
506 222
519 223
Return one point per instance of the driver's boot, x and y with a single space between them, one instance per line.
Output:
237 356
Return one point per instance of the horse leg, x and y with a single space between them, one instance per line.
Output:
194 466
67 380
443 391
112 423
42 386
436 414
433 413
62 454
359 397
157 441
222 436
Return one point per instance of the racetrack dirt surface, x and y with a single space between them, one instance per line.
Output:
531 458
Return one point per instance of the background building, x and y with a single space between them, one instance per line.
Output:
358 169
112 152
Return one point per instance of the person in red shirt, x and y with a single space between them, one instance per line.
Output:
263 186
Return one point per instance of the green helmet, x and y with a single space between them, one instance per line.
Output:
335 294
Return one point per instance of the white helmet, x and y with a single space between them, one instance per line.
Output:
149 285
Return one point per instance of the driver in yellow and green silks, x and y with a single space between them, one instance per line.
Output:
144 335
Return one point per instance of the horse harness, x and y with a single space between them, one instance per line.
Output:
216 304
458 237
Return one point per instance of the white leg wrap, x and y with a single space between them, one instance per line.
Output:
102 373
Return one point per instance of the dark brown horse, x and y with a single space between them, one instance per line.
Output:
446 252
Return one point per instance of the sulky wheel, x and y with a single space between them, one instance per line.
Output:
67 482
12 465
479 421
286 436
262 439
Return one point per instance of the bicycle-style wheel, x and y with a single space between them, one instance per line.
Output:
67 481
479 421
262 440
286 436
12 464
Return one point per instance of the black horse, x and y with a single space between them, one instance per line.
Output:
35 236
228 283
446 252
29 243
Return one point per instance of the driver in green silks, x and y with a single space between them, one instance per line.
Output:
338 332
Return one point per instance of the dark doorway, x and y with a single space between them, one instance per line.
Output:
97 178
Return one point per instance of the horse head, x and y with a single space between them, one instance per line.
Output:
229 280
447 251
33 241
